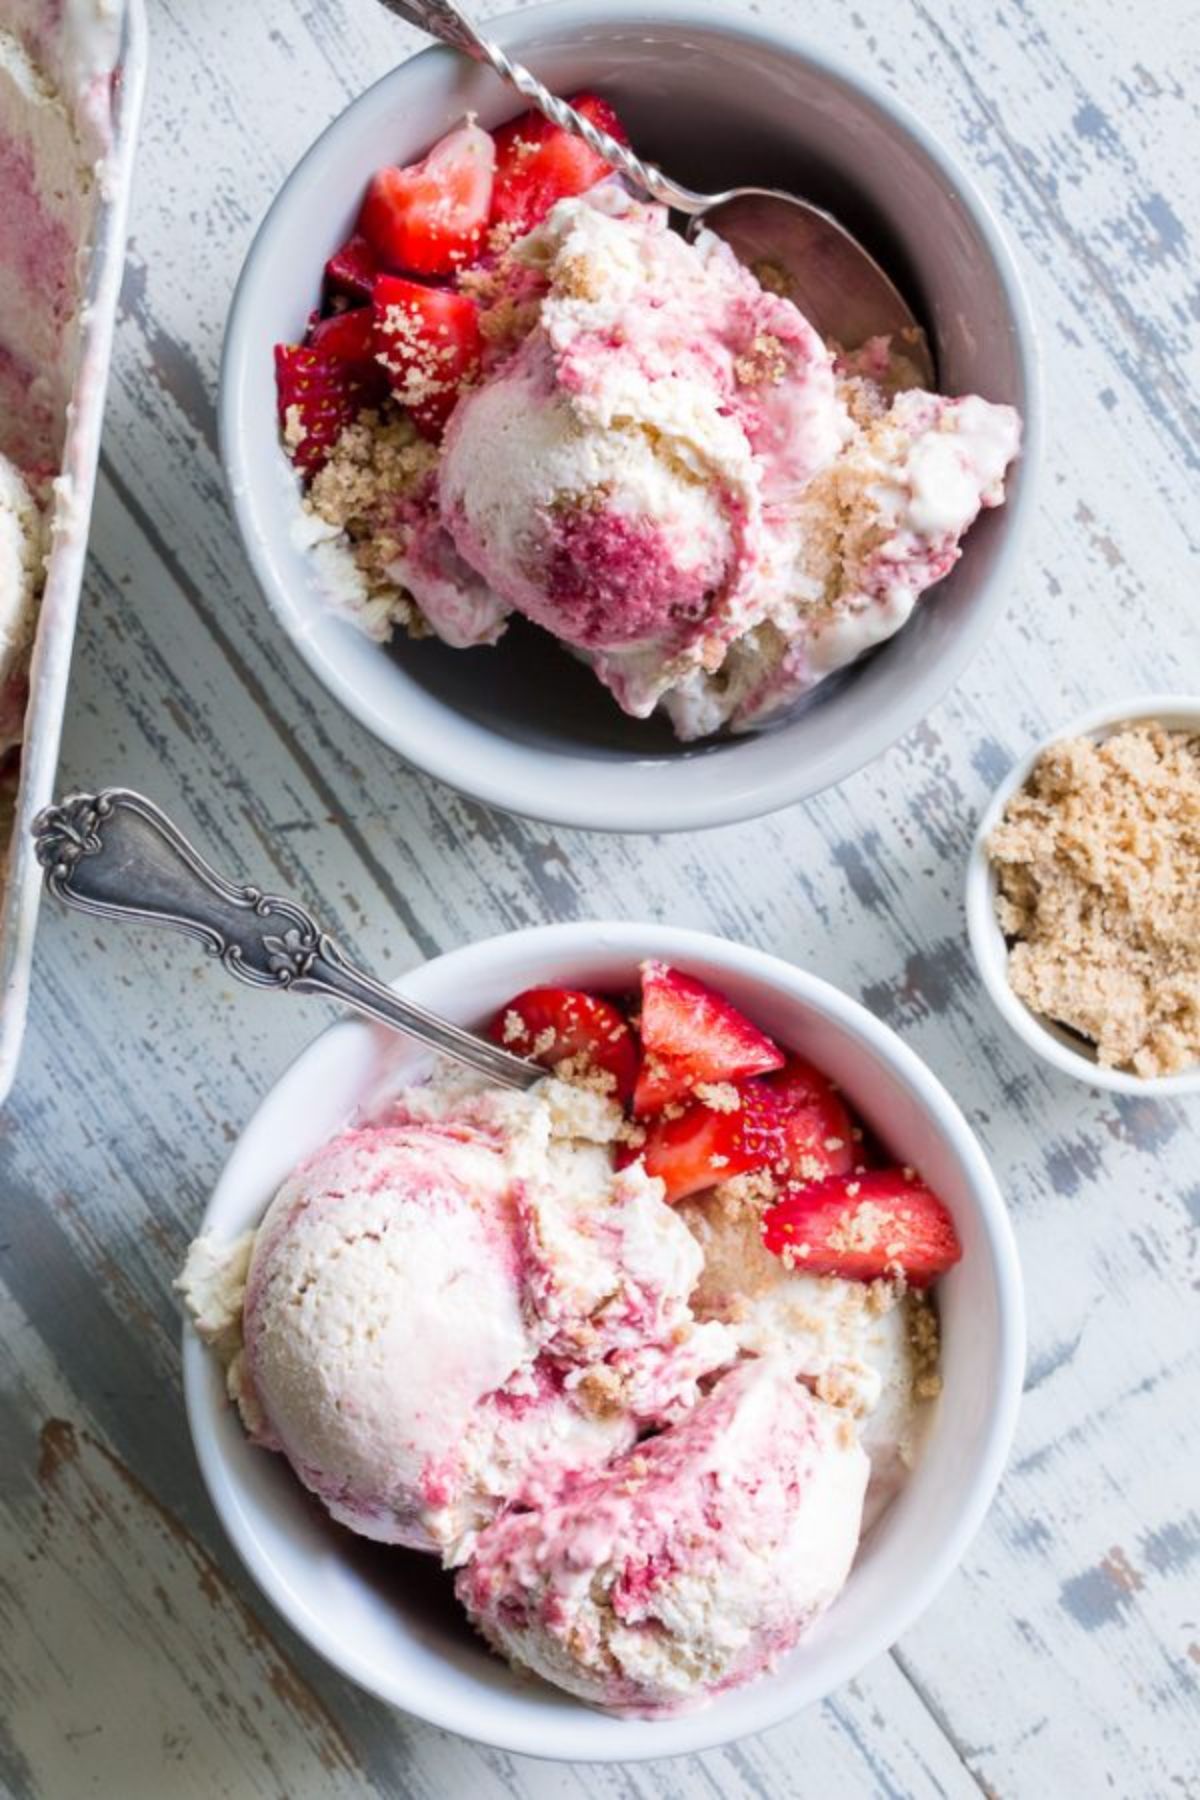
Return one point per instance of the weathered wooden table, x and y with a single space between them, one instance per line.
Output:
135 1660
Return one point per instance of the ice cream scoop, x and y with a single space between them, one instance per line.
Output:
672 474
455 1308
689 1564
614 479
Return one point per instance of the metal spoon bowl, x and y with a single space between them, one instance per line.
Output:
835 283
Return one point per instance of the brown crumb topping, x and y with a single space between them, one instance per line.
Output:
718 1096
377 463
746 1194
601 1391
764 364
773 278
1098 866
925 1342
581 1071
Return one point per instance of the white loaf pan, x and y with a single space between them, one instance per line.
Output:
55 632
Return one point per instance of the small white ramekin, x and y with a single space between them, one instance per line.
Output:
382 1616
1050 1041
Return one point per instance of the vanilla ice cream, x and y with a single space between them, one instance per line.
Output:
672 474
648 1445
56 60
867 1347
690 1563
455 1307
55 68
22 559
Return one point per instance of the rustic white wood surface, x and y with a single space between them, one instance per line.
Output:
1064 1658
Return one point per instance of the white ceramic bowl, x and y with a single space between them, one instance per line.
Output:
385 1617
718 98
1062 1048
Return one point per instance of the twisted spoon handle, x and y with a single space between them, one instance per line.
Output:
442 19
116 855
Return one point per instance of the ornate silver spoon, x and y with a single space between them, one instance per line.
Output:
116 855
837 285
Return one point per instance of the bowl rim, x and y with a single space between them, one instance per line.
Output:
704 1729
635 793
988 946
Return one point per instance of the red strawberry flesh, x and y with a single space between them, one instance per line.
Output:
318 397
555 1025
865 1227
819 1135
352 269
428 341
537 164
692 1036
348 336
703 1144
430 218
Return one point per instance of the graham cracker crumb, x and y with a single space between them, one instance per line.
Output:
581 1071
718 1096
578 278
512 1027
924 1336
746 1194
1098 865
837 1387
773 277
764 364
377 463
601 1391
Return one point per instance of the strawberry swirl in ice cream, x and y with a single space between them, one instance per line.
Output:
530 396
691 1563
641 1352
447 1310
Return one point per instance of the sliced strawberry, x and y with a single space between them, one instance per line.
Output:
862 1227
537 163
352 269
819 1135
319 396
555 1025
430 219
348 336
691 1036
704 1145
428 341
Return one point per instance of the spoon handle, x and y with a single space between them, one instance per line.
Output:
444 20
116 855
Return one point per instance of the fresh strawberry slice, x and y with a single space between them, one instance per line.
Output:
348 336
819 1135
319 396
428 341
693 1036
555 1025
862 1227
537 163
705 1145
352 269
429 219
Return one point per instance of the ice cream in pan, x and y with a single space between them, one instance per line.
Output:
639 1353
528 396
56 63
